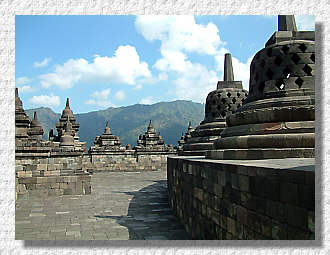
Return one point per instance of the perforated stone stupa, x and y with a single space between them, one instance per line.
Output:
277 118
220 103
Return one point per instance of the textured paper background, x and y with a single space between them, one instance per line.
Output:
8 10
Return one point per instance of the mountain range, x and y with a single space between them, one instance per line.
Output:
168 118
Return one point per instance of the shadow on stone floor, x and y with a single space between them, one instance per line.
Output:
149 216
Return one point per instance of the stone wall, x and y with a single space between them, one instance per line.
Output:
243 199
52 173
129 161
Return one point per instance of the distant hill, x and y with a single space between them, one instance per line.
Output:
169 118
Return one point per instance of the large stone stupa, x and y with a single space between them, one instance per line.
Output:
220 103
277 118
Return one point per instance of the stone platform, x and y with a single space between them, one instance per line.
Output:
122 206
243 199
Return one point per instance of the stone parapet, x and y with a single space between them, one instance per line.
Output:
129 160
243 199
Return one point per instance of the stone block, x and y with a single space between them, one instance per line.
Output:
277 210
306 196
234 181
311 221
42 167
279 231
297 217
242 214
243 182
289 193
297 233
231 226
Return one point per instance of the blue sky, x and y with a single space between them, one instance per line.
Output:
104 61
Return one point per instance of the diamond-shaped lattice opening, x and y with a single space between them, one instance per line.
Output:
218 95
285 49
234 100
287 72
278 60
308 70
238 94
313 57
261 86
303 47
280 84
269 74
299 82
246 94
218 107
238 106
295 58
262 63
228 94
223 114
269 52
223 100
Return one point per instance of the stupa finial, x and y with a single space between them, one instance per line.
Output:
286 23
107 128
228 73
67 103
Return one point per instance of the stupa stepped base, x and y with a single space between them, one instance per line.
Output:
202 138
261 153
208 129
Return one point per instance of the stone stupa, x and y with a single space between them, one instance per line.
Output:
22 121
35 131
277 118
108 141
220 103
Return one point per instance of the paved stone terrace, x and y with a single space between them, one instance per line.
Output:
123 205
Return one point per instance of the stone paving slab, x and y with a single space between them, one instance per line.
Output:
122 206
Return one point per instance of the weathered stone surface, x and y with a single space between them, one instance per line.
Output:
277 118
261 202
222 102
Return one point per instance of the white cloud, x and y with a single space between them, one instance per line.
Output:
241 70
124 67
42 63
100 98
180 33
45 100
120 95
305 22
195 83
147 100
23 80
102 95
180 36
26 89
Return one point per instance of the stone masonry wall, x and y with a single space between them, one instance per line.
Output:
226 201
52 174
129 161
